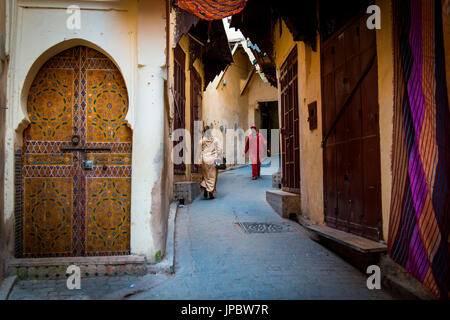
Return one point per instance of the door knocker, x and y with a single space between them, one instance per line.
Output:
75 139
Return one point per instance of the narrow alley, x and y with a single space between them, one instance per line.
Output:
214 259
225 150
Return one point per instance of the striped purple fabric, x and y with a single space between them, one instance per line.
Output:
419 224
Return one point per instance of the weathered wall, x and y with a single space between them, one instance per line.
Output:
133 35
225 107
258 91
3 74
223 104
385 60
149 226
309 88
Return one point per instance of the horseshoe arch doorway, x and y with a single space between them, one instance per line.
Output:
75 182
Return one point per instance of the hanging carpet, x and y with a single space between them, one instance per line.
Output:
211 9
419 224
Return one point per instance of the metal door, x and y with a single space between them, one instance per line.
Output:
179 121
290 132
76 175
196 111
352 177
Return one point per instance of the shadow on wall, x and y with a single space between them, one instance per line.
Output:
3 73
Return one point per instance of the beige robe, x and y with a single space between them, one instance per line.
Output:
210 152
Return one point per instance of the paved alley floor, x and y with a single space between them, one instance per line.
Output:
217 260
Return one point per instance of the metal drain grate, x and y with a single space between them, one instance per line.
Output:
258 227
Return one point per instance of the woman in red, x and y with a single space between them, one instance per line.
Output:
255 143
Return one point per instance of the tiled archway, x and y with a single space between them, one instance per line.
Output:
75 185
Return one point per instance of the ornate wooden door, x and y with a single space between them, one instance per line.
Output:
179 121
290 131
76 183
196 111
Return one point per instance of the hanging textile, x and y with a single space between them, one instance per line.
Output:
419 224
184 22
211 9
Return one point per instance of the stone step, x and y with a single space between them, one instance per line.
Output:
284 203
358 251
351 240
276 180
6 286
186 190
56 268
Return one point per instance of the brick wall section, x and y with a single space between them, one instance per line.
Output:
3 106
276 180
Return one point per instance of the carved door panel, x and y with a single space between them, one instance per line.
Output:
76 175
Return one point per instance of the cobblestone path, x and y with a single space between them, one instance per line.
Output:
215 259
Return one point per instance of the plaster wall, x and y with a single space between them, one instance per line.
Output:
3 73
309 88
256 92
149 226
223 104
385 61
227 104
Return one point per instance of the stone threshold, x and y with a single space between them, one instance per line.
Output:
56 268
98 266
355 242
362 252
6 287
31 262
358 251
284 203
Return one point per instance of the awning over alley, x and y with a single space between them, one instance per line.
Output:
211 9
210 42
259 16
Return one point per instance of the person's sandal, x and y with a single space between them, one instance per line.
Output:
211 196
